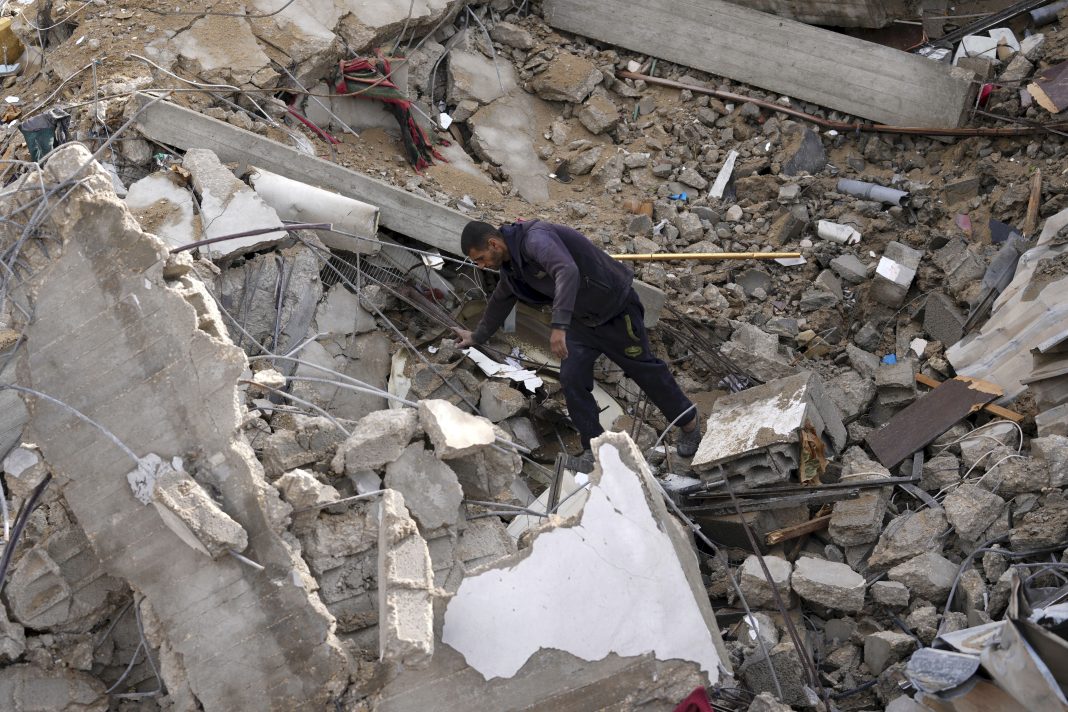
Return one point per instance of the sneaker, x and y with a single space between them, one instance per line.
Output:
689 441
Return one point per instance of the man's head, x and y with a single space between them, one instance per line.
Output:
484 244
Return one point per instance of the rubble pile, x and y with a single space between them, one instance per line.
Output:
246 466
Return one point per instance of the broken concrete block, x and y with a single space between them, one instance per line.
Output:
430 488
59 583
759 351
405 587
472 75
599 114
100 285
341 314
940 472
377 439
852 393
829 584
511 35
453 432
907 535
746 428
850 269
860 521
756 671
1053 450
32 688
971 510
499 401
896 382
239 60
488 473
885 648
568 78
625 549
755 586
1010 476
1019 68
892 594
942 320
928 576
302 490
228 206
803 152
12 639
1042 526
894 274
24 470
193 516
163 208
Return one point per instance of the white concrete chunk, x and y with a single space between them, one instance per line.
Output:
405 586
453 432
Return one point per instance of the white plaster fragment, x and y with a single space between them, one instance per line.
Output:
613 582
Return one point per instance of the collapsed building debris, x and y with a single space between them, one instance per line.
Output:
256 472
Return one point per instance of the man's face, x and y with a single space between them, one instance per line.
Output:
492 257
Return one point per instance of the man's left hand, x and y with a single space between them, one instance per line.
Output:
558 343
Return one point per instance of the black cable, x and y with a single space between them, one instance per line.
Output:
20 525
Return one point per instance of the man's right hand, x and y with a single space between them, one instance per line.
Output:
466 338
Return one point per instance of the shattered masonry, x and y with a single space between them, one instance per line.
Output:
256 473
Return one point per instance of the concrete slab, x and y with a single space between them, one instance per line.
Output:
228 206
473 75
812 64
503 134
223 50
168 386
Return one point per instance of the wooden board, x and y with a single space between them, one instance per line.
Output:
1050 88
780 55
997 410
402 212
928 417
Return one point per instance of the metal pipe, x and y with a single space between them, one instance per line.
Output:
1046 15
669 256
873 191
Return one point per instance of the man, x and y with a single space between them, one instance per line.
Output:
594 311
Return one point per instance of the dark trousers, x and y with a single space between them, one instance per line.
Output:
624 340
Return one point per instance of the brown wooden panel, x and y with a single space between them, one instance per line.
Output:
928 417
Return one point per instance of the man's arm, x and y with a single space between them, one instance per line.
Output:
497 309
548 250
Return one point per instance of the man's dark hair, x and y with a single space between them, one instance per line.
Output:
476 236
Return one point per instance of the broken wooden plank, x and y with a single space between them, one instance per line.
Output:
811 64
997 410
401 211
786 533
928 417
1050 88
1034 202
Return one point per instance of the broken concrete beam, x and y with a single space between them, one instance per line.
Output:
405 587
228 206
829 584
767 417
355 223
377 439
894 274
102 285
453 432
812 64
622 552
401 211
429 486
845 13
